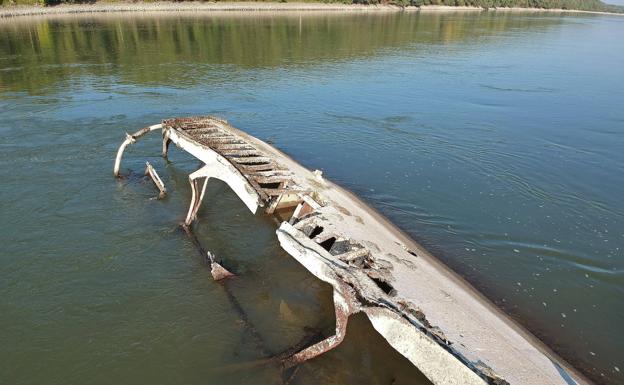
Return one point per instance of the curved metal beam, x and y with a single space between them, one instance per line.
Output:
224 172
435 362
130 139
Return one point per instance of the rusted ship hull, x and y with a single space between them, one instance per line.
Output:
429 315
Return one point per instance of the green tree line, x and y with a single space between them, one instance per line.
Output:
585 5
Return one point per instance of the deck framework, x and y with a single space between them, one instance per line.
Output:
422 309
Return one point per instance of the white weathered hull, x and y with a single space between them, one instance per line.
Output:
428 314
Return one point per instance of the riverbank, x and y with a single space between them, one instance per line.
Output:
186 7
102 7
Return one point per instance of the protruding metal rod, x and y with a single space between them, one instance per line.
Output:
130 139
149 170
189 216
343 310
200 199
196 194
165 144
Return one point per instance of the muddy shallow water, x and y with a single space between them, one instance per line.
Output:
495 140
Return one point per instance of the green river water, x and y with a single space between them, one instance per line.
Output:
496 140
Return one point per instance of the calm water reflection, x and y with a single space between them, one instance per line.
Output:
496 140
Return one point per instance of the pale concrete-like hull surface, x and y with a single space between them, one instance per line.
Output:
428 314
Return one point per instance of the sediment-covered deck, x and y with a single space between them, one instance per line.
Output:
425 312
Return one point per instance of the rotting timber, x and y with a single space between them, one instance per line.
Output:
424 311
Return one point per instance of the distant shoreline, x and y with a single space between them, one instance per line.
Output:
110 7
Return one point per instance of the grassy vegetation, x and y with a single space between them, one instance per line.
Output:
586 5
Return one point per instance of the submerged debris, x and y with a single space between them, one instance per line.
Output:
218 272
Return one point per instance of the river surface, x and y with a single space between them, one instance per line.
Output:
496 140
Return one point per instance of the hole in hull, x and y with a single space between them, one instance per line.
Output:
384 286
340 247
315 232
328 243
272 185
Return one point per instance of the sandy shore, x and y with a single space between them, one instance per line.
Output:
64 9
